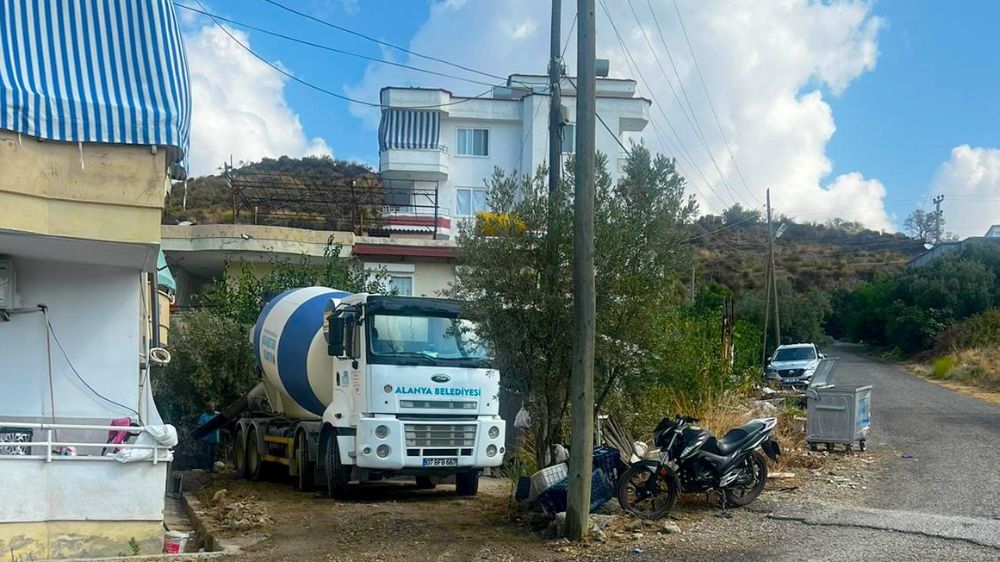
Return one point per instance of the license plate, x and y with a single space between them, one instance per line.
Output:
440 462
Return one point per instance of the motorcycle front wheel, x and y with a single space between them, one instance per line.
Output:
648 491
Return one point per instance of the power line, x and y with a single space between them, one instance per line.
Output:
711 104
381 42
692 120
320 88
328 48
683 152
727 227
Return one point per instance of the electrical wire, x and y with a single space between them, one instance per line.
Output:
62 350
320 88
684 153
711 105
727 227
692 120
331 49
381 42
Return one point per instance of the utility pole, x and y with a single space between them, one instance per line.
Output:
584 304
555 101
771 276
937 218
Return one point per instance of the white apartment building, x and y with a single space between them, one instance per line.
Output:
436 149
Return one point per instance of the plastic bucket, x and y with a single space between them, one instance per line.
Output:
174 542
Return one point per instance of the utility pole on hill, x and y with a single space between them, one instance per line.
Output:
582 379
771 286
937 218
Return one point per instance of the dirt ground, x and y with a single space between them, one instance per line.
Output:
393 520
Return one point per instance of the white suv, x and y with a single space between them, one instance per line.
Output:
793 365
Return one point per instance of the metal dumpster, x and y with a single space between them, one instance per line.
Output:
838 415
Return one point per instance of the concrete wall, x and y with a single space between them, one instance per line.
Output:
95 313
116 195
472 171
79 508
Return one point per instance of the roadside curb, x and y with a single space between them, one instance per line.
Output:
214 545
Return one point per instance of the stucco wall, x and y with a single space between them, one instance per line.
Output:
471 171
115 195
95 313
430 279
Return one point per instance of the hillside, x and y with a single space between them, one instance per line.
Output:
824 257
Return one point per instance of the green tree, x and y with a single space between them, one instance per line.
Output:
517 278
922 224
737 214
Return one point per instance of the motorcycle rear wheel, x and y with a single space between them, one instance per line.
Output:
744 495
648 491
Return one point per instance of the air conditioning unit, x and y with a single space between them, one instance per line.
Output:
6 283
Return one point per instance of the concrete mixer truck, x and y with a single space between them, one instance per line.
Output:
364 387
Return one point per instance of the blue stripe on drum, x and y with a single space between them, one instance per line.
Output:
260 324
293 349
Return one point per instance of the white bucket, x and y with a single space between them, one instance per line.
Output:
174 542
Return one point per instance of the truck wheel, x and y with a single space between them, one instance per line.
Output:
305 467
467 483
240 453
255 467
337 475
425 483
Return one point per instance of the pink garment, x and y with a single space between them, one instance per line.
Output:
117 437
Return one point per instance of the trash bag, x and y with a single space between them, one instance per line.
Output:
523 419
162 435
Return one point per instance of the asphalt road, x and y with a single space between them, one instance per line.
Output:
940 496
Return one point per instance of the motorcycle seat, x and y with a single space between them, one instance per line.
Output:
733 439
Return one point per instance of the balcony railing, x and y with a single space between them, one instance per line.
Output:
49 443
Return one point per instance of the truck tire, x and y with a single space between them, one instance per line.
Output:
467 483
305 467
337 475
240 453
425 483
255 465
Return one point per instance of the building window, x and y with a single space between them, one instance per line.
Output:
474 142
402 284
470 201
569 138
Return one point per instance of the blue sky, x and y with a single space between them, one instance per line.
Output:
907 85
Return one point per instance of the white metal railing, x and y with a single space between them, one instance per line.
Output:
49 443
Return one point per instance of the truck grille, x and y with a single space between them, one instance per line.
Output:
439 404
440 435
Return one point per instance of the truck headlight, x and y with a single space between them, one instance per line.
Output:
491 451
494 432
381 432
382 451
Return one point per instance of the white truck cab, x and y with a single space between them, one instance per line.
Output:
413 390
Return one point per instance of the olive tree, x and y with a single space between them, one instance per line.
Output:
516 276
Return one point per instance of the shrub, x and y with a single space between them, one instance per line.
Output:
976 331
942 366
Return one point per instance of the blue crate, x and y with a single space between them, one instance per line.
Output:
553 500
608 459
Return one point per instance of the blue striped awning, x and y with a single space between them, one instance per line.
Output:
108 71
409 128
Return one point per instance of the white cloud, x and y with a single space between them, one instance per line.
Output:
238 105
970 182
768 67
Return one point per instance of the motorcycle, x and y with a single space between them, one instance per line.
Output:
692 460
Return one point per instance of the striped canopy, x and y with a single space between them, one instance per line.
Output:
408 128
109 71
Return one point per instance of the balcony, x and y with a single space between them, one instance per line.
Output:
414 163
413 210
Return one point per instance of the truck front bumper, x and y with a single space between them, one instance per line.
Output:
387 443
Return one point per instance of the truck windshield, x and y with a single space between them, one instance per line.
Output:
795 354
428 337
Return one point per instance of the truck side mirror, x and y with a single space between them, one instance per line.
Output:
335 344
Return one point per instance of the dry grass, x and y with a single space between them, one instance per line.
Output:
974 371
734 410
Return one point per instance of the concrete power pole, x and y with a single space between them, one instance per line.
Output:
555 100
937 218
582 379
